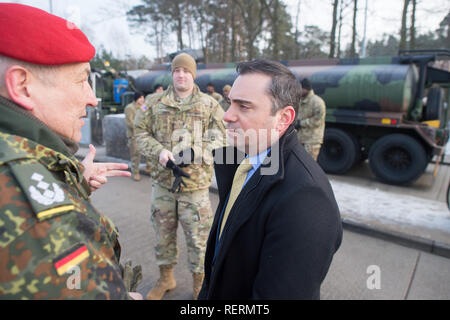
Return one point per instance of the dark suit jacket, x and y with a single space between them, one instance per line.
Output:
280 235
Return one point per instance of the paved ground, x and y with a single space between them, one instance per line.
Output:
405 273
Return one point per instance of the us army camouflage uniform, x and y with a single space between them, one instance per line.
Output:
216 96
174 124
53 243
135 156
311 114
224 104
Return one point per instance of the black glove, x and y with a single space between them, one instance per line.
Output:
184 158
297 124
179 174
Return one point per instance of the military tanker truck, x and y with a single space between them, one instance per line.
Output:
390 110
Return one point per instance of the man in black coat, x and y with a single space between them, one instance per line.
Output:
276 240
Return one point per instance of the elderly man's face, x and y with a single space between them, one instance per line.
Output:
62 101
251 127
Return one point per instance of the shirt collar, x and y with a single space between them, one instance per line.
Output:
256 160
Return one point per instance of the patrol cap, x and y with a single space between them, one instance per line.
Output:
35 36
137 95
227 87
185 61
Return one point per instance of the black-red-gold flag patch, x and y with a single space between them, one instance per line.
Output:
71 258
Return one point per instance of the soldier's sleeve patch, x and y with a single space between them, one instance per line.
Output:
70 258
46 197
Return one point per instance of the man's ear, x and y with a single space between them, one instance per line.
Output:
17 83
285 117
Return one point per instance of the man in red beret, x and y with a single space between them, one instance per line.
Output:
53 243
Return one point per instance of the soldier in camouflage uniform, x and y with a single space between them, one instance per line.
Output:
180 118
310 122
130 114
211 91
225 103
53 243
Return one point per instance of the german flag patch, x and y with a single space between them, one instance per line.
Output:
70 258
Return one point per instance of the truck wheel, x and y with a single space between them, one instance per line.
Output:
433 108
397 159
339 152
448 196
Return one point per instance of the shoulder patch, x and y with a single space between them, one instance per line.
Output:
44 193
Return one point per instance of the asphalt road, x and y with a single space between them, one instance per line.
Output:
363 268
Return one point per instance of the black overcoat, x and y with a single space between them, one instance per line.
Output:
282 232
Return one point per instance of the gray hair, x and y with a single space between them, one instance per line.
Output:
284 88
44 73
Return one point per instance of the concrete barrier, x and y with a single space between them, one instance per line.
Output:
115 137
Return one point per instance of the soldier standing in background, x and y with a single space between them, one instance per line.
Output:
211 91
50 232
130 114
225 103
180 118
158 88
310 122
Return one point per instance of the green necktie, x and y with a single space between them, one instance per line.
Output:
238 182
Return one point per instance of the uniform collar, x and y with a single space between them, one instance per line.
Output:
16 120
170 98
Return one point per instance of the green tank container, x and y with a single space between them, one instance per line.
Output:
376 88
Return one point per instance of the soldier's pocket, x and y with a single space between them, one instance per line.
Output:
163 126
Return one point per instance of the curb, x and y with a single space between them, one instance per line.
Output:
419 243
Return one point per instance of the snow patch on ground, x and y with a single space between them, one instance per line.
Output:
382 206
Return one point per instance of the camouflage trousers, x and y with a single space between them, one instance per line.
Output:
312 149
135 156
193 211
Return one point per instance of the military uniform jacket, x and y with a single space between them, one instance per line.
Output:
195 122
130 114
311 114
53 243
281 233
216 96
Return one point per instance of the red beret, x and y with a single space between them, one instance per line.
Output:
33 35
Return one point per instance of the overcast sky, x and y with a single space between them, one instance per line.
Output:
105 23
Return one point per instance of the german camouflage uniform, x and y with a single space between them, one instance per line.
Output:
311 114
135 156
53 243
174 124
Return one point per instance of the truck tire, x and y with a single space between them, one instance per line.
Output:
397 159
433 109
448 196
339 152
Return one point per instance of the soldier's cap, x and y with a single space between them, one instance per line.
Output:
35 36
306 84
185 61
137 95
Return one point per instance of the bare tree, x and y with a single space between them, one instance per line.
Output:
403 30
252 13
353 45
297 34
412 28
333 29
